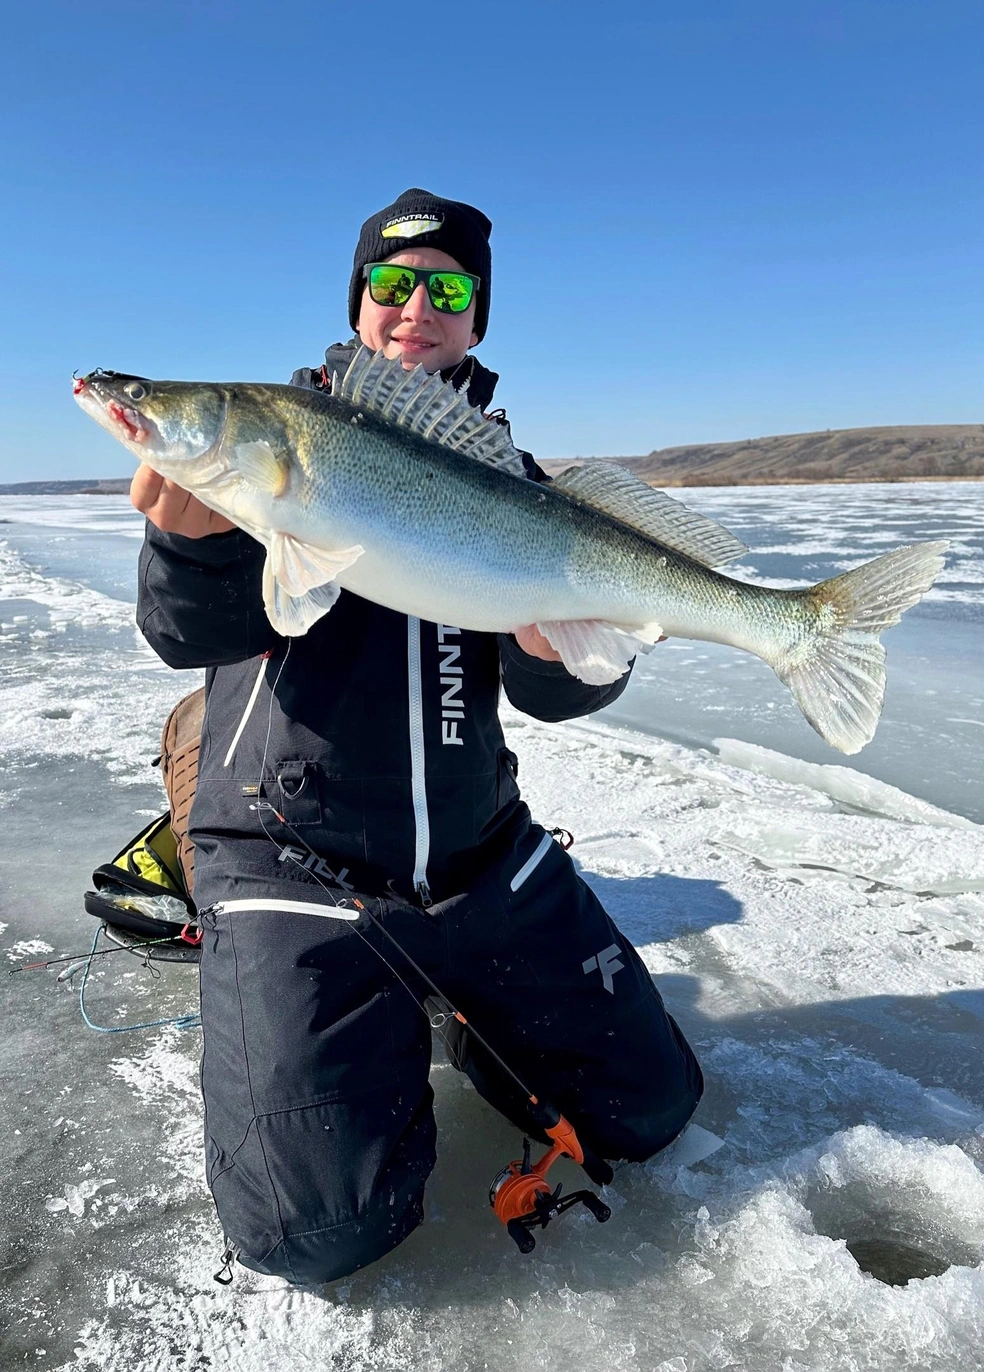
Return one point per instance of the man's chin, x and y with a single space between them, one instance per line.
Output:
428 358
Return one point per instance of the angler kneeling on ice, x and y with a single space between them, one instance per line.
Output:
353 765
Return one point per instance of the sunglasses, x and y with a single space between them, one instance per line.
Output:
450 292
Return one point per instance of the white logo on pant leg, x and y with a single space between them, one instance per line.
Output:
315 864
607 964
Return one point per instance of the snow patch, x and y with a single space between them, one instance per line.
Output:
27 948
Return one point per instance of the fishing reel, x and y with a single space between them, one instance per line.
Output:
521 1196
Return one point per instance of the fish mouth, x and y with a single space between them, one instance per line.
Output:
95 394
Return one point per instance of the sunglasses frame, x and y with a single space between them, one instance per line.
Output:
422 276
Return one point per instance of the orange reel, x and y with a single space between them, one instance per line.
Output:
521 1197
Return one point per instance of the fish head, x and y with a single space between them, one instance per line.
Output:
173 426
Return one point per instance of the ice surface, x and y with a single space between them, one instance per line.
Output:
819 934
68 674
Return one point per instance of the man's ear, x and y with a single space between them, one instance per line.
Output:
472 342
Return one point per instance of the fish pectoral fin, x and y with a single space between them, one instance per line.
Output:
293 615
621 494
300 566
299 581
263 466
644 636
595 651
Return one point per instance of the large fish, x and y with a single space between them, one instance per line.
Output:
395 488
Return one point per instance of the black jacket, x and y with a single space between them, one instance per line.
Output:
380 744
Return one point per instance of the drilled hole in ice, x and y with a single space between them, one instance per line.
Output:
895 1263
894 1234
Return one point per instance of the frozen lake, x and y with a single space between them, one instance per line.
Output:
815 923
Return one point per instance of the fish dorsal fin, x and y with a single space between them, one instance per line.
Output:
427 406
623 496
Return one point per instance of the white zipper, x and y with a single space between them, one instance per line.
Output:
418 789
248 711
531 863
293 907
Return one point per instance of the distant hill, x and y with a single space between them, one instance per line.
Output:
902 452
97 486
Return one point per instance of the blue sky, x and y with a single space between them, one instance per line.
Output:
712 220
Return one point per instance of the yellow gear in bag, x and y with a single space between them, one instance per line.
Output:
143 889
146 889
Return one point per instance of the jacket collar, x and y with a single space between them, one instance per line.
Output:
469 375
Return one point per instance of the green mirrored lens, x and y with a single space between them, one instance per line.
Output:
392 285
450 291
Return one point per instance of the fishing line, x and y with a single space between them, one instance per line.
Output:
190 1021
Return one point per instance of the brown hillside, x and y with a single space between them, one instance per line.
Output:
910 452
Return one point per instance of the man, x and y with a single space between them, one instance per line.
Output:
367 757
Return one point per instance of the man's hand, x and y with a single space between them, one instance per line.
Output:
172 509
533 642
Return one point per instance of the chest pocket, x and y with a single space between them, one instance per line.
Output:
298 792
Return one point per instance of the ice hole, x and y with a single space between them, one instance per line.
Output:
895 1264
905 1208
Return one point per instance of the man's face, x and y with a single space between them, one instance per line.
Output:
416 332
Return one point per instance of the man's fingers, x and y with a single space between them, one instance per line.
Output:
173 509
145 487
536 644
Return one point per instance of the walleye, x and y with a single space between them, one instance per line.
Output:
394 488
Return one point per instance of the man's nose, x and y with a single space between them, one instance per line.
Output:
419 307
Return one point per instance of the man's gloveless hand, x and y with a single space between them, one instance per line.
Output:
172 509
533 642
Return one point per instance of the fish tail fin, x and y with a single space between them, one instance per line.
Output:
838 677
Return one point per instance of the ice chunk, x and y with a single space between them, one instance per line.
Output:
75 1197
843 784
693 1145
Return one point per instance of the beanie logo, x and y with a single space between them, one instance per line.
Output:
410 226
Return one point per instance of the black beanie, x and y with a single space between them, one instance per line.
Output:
421 220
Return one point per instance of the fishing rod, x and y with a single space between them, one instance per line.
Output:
520 1195
134 948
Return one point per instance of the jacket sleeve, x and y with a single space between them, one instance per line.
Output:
547 690
200 600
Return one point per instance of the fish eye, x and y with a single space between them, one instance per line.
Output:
135 390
